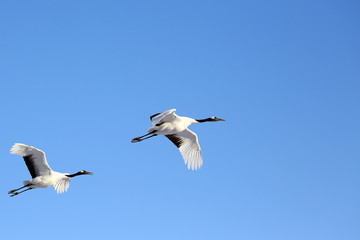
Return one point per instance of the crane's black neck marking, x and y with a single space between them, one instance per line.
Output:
82 172
205 120
75 174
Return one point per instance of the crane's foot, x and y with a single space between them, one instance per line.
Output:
14 194
137 139
10 192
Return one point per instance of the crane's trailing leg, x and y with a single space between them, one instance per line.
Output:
139 139
14 190
17 193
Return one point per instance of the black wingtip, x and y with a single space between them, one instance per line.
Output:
151 117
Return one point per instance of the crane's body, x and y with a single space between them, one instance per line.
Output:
47 180
176 125
42 175
175 128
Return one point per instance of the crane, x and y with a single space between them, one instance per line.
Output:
174 127
41 173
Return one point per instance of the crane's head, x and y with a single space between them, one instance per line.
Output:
215 119
83 172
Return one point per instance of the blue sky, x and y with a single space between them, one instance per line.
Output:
79 80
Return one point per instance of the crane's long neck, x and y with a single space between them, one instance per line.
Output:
204 120
82 172
74 175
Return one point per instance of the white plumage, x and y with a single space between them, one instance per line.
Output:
175 129
42 175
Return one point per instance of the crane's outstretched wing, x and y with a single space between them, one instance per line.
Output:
187 142
62 185
34 158
166 116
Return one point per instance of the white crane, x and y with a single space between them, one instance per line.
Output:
175 129
41 173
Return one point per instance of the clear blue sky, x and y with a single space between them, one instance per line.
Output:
79 80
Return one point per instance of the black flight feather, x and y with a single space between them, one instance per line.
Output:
29 160
175 139
151 117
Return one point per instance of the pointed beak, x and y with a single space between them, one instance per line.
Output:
219 119
89 173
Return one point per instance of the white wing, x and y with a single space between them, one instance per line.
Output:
187 142
166 116
62 185
34 158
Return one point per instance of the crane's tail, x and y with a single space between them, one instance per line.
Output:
26 182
